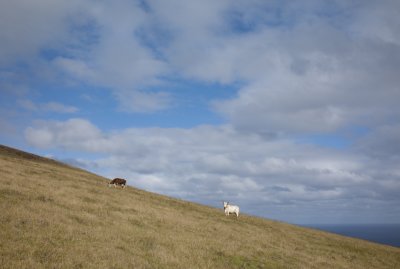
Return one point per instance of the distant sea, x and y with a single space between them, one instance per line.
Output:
388 234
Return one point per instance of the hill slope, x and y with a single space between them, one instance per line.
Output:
57 216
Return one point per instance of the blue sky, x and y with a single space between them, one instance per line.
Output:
287 108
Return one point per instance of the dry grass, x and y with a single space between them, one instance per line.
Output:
56 216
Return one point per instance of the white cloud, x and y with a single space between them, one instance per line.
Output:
378 20
382 142
144 102
94 42
71 134
27 104
27 26
302 73
118 60
60 108
313 78
287 54
74 67
41 138
47 107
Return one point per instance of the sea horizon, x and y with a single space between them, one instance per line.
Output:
386 233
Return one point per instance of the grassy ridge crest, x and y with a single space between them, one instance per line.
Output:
56 216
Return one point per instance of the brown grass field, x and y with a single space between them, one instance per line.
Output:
56 216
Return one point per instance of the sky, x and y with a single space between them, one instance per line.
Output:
289 109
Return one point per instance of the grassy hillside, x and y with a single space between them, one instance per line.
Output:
56 216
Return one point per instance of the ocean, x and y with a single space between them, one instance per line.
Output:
388 234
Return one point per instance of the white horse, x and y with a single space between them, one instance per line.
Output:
231 209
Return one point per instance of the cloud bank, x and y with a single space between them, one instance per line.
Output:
210 163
